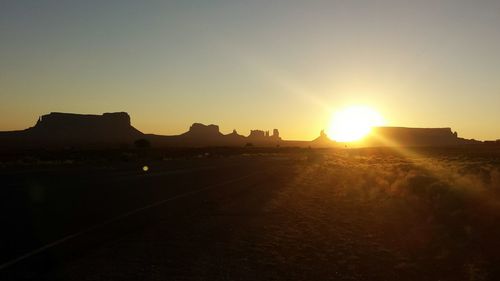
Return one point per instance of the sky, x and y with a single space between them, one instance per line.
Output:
253 64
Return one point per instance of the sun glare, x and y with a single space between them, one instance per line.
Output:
353 123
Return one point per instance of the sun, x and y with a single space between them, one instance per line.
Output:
353 123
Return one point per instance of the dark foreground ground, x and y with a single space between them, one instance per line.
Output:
369 214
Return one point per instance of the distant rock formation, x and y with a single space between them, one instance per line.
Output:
200 135
276 134
234 139
114 129
263 138
257 134
322 141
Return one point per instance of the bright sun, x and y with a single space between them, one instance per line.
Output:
353 123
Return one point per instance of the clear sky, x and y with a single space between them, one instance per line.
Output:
253 64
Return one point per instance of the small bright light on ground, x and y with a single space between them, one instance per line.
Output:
145 168
353 123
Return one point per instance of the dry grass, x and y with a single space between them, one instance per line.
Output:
377 214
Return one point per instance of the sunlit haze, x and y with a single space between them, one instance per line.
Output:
353 123
253 64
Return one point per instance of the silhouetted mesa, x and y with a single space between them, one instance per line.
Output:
68 129
109 126
198 130
400 136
